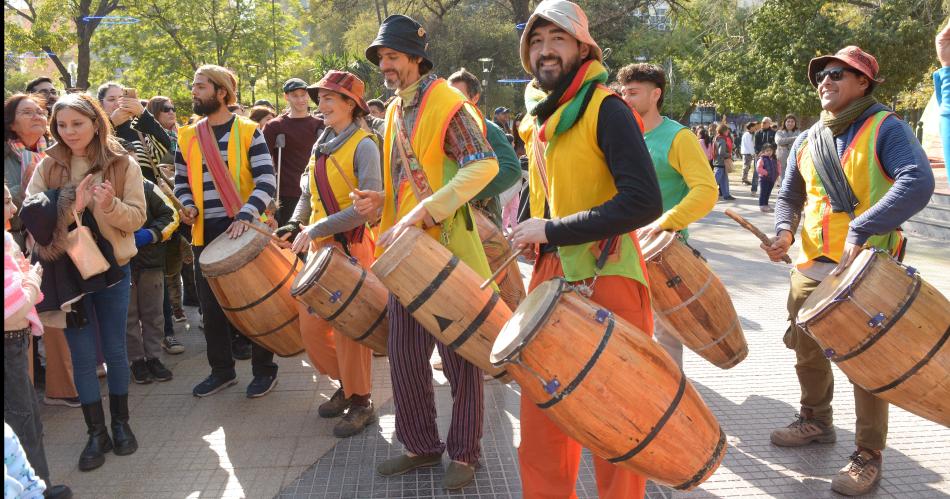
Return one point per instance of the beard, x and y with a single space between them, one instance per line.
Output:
205 107
548 79
391 80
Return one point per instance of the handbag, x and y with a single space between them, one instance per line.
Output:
83 251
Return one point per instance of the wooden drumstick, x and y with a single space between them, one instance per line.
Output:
171 195
262 231
501 268
753 229
337 165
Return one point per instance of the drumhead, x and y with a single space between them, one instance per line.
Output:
312 271
835 286
526 320
655 244
225 255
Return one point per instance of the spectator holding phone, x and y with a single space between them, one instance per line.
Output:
137 129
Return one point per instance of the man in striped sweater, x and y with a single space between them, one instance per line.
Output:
213 90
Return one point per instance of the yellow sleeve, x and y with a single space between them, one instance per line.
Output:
687 158
468 182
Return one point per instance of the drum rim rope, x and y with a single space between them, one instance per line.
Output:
267 295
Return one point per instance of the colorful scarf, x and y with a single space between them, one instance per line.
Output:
28 159
558 111
14 299
839 123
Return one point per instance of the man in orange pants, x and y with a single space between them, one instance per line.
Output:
592 183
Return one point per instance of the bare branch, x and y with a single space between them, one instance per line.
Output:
22 14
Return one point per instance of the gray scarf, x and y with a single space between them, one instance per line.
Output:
329 141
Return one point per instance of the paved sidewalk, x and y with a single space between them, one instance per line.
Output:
231 446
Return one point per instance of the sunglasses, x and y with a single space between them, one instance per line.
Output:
836 74
168 109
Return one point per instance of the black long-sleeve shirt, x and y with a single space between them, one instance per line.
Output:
638 201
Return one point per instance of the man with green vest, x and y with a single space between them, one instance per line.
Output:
218 192
887 180
435 159
687 184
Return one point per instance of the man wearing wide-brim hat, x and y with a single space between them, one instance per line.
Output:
449 162
591 185
886 180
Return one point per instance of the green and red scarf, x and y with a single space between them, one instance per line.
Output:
558 111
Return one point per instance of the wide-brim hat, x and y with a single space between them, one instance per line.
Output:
854 57
341 82
567 16
402 34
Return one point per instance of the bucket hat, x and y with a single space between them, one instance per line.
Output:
853 56
567 16
402 34
341 82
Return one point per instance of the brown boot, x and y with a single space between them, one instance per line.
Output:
356 418
337 405
803 431
860 475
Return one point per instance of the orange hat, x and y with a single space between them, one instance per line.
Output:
341 82
853 56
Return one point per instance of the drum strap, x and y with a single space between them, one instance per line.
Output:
415 174
219 171
328 200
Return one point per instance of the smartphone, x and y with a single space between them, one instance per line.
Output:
129 92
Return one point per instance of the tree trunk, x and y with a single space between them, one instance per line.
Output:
520 10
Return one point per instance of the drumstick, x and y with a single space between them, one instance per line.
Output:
262 231
501 268
337 165
171 195
753 229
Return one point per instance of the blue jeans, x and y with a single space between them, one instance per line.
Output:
111 308
722 178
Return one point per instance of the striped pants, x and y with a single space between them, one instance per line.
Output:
410 347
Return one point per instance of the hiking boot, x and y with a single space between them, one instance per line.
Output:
356 418
860 475
406 463
140 372
803 431
171 345
260 386
336 406
213 384
458 475
158 370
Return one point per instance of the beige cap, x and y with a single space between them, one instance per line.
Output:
566 15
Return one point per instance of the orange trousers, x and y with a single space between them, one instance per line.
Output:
548 458
334 354
59 365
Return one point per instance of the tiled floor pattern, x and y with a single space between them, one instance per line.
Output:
229 446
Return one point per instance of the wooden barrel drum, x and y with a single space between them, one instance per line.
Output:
609 386
498 249
691 302
888 330
351 298
441 292
251 278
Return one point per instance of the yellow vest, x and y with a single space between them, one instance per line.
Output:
578 180
345 156
823 232
239 142
436 109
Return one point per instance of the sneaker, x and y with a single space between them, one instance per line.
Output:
355 419
240 350
260 386
212 384
171 345
860 475
337 405
140 372
406 463
101 370
179 315
766 209
458 475
803 431
158 370
65 401
728 198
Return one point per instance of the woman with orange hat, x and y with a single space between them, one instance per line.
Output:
344 155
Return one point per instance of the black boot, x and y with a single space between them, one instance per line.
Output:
122 435
99 442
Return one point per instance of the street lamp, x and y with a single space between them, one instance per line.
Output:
487 64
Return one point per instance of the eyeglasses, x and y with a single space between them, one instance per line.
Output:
32 114
47 92
836 74
168 109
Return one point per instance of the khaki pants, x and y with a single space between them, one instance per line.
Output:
817 381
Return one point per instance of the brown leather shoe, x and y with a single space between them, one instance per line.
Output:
860 475
337 405
356 418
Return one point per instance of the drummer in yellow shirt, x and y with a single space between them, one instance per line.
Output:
686 183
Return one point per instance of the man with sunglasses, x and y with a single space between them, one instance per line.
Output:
887 173
44 86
